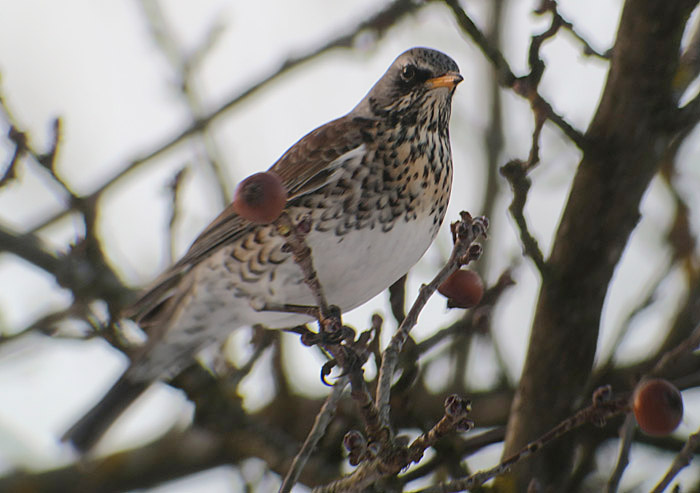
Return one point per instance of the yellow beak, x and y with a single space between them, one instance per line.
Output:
449 80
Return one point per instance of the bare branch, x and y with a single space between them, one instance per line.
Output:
597 413
592 234
623 456
521 86
87 276
323 419
30 248
672 357
376 24
455 419
468 232
185 66
588 50
681 461
176 188
515 172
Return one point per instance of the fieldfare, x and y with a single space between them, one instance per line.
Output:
374 185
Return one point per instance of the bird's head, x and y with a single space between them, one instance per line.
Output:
419 80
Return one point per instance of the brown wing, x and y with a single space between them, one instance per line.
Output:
306 166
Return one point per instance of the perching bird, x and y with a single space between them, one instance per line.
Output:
375 184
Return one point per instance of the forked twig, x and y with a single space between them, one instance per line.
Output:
467 231
597 413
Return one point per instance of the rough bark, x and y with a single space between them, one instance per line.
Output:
629 132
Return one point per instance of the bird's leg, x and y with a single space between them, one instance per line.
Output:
321 338
337 340
328 316
310 310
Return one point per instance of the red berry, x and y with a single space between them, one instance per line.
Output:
260 198
463 289
658 406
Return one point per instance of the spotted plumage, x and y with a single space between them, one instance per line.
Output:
375 184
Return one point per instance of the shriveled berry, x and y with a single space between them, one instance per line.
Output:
463 289
260 198
658 406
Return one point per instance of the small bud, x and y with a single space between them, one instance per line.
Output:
457 407
464 425
474 252
356 445
353 439
373 449
602 394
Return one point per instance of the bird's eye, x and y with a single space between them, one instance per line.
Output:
408 73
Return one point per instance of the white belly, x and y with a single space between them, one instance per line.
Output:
357 266
352 268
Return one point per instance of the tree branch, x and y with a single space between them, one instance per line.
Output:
376 24
617 165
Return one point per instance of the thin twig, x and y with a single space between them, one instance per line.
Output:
30 248
368 411
681 461
376 24
456 418
466 447
643 301
597 413
318 430
672 357
175 187
588 50
507 78
623 456
46 161
469 231
18 139
301 253
516 174
374 467
185 67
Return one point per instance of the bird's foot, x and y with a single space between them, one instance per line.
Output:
341 345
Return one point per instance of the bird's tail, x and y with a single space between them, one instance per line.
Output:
89 429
